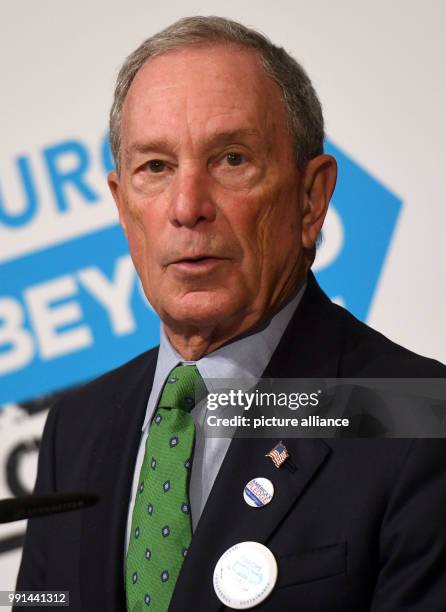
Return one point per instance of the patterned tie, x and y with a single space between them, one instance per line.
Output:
161 521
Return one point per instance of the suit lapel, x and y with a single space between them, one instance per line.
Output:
310 347
110 477
227 519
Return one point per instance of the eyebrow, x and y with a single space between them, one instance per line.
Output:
231 136
219 138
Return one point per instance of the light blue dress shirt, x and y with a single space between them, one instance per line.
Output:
246 359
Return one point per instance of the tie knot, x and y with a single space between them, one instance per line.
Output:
183 388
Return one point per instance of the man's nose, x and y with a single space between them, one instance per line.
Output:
192 200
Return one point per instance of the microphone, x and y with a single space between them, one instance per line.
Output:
30 506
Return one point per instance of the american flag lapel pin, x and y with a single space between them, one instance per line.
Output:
278 454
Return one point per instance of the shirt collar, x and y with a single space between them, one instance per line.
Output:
245 358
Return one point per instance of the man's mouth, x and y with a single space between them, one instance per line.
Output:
198 264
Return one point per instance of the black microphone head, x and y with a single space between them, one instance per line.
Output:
30 506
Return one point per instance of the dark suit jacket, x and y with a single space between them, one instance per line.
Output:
359 525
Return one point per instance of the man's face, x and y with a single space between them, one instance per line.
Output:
209 194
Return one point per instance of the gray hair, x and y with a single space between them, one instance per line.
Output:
305 121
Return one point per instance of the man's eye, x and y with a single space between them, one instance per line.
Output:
235 159
156 165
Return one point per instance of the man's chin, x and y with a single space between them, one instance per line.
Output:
201 310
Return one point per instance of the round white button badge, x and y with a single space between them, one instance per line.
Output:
258 492
245 575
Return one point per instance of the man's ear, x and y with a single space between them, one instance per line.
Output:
319 181
115 188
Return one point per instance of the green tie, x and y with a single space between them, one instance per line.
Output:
161 521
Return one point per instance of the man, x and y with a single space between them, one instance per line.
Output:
222 188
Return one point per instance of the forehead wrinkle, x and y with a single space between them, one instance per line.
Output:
250 99
164 145
233 96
